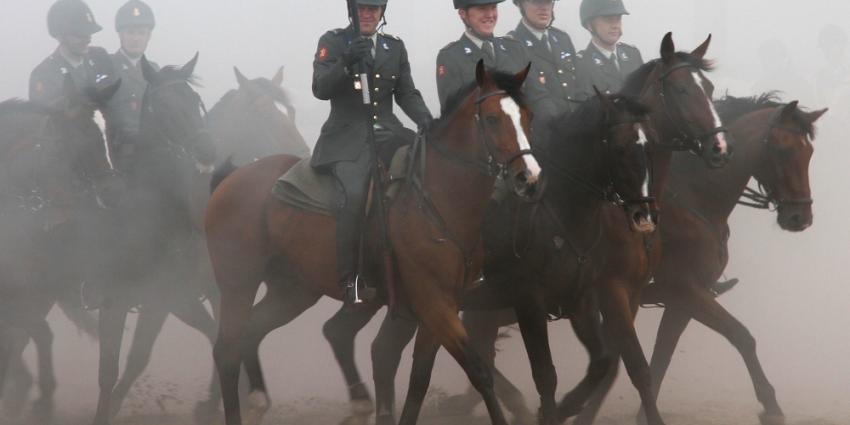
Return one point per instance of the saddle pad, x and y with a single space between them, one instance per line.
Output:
303 188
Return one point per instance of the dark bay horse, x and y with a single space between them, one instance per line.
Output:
54 166
434 225
774 145
246 124
146 248
679 96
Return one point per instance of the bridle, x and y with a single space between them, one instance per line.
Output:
488 166
763 196
686 138
200 133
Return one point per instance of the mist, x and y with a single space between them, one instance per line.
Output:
794 293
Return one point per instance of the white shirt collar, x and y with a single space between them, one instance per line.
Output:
75 63
536 32
472 37
605 51
135 62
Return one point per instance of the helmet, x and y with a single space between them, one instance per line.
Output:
382 3
462 4
517 2
595 8
134 13
71 17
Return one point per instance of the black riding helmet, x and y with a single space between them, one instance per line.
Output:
591 9
134 13
71 17
519 3
463 4
380 3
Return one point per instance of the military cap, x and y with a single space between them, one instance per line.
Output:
71 17
517 2
595 8
134 13
461 4
372 2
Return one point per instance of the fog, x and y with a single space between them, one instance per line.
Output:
794 295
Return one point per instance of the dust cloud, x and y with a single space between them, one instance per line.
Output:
794 294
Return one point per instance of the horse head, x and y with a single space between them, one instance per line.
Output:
627 133
173 109
784 171
681 99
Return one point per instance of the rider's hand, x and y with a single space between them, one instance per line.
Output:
358 50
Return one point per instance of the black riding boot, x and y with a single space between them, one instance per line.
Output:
347 251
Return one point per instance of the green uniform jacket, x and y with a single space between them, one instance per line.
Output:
344 134
595 69
553 69
47 80
456 69
123 112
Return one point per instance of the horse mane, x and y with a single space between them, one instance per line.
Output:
635 83
584 122
504 81
732 108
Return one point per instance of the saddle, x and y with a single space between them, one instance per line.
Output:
307 190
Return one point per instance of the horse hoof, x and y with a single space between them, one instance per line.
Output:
362 407
206 412
355 420
458 405
772 419
258 403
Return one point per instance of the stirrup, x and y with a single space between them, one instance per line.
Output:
351 295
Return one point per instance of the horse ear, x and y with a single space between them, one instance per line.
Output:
240 79
481 75
522 75
277 80
104 94
788 110
700 51
189 69
148 71
668 49
816 115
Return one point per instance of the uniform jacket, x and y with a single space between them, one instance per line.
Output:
553 69
594 68
123 112
344 134
456 69
48 78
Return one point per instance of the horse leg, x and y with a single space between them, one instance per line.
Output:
148 326
392 338
709 312
534 325
281 305
192 312
110 333
340 331
591 409
673 324
42 337
16 392
424 353
236 304
619 309
588 329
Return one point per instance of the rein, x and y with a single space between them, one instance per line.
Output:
686 139
762 197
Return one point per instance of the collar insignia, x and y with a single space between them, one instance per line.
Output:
529 43
467 50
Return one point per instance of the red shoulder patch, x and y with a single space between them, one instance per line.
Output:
441 70
39 87
323 53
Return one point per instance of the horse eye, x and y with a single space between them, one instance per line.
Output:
493 120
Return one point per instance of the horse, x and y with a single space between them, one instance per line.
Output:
247 123
678 94
55 166
145 246
774 145
434 227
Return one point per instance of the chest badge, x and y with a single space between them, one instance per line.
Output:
565 55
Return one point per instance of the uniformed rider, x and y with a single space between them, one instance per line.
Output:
456 61
343 147
134 23
551 51
72 24
606 62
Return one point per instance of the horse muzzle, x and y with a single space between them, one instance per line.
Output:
642 219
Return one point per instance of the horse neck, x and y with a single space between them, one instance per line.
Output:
576 205
718 191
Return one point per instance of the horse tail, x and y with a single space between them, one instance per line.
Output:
221 172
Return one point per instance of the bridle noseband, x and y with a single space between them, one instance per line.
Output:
763 197
686 138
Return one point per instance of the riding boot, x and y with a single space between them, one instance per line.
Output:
348 244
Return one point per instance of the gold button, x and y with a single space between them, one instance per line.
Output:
393 77
560 71
541 72
377 75
376 103
375 117
377 89
564 84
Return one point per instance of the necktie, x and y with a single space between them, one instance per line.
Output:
615 61
546 42
489 51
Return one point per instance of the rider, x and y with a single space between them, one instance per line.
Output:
134 23
606 62
551 51
72 24
343 146
456 62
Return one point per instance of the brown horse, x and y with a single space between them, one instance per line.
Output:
54 166
678 94
434 226
773 144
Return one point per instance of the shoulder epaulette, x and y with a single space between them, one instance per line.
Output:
511 35
390 36
508 38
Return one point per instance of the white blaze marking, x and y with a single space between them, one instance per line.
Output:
717 123
98 118
644 189
511 109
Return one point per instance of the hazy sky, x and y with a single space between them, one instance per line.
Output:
796 288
